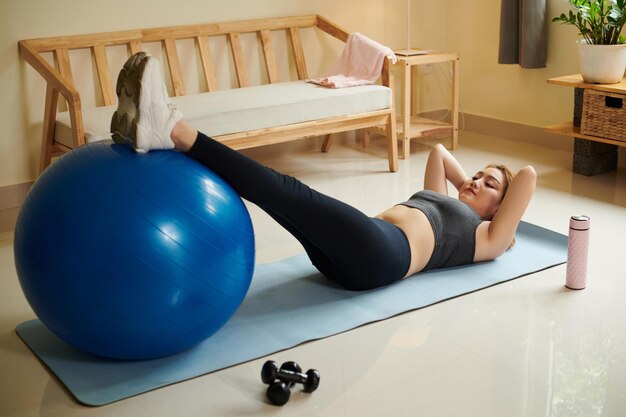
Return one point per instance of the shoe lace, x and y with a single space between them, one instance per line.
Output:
173 108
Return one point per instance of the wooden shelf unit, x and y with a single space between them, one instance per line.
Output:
594 157
576 81
409 125
568 129
424 127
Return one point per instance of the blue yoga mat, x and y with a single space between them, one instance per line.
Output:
289 303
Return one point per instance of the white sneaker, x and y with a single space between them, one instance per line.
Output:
145 114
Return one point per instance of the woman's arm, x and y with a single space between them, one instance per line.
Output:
501 230
441 167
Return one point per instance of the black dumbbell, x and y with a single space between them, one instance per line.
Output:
278 393
291 373
281 379
270 371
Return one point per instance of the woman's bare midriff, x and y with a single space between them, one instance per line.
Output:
418 231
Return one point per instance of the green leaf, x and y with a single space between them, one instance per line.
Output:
598 21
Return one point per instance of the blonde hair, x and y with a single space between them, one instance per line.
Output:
508 175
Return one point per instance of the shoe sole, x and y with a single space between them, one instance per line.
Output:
128 89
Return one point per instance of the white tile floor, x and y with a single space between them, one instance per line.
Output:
524 348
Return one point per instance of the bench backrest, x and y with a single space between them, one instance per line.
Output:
61 77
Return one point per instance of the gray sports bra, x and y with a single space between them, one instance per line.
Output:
454 224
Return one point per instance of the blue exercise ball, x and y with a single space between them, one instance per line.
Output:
133 256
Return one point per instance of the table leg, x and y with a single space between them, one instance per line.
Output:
406 112
455 103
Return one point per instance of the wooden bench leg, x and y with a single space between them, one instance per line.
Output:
392 143
328 140
406 147
366 138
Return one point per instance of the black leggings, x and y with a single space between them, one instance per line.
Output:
348 247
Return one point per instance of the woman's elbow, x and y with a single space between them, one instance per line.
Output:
527 175
529 170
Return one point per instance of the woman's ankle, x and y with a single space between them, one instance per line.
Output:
183 136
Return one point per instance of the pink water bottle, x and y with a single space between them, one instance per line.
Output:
577 252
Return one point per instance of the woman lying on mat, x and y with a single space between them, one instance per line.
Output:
430 230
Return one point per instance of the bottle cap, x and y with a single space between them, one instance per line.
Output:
581 222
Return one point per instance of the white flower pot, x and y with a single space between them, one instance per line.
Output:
603 64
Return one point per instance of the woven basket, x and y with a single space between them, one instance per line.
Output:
604 115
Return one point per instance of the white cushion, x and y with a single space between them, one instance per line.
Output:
244 109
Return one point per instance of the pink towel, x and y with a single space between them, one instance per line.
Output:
360 63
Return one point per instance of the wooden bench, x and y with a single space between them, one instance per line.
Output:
52 58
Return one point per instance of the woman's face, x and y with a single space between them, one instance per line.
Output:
484 192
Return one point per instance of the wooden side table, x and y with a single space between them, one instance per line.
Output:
592 154
409 124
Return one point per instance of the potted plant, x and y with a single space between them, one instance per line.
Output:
602 47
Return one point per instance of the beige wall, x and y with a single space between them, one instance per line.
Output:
469 27
508 92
